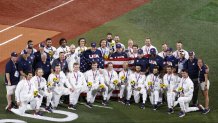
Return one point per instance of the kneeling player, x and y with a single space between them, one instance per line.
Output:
78 83
58 80
25 93
95 83
136 84
185 90
111 81
41 86
153 82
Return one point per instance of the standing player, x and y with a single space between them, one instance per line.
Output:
155 60
12 77
25 93
204 83
95 83
49 48
111 81
105 51
72 58
179 47
24 63
123 79
163 53
40 85
89 56
170 59
81 46
119 53
141 61
137 86
78 83
62 48
57 80
185 91
153 82
181 61
148 46
134 52
170 83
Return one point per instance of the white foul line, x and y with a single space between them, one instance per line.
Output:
11 39
36 16
98 106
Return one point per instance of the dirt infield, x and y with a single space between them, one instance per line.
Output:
71 20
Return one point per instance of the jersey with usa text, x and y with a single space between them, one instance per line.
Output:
88 57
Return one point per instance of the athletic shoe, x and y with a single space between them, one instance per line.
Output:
71 106
155 107
142 106
104 103
159 104
181 114
128 102
206 111
89 104
38 113
48 109
14 105
170 111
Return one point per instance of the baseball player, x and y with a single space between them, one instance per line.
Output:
185 91
78 83
148 46
153 82
62 48
81 46
111 81
57 80
49 48
95 83
41 86
123 79
179 47
170 83
137 86
72 58
105 51
26 93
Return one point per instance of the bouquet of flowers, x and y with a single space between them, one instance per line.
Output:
115 82
36 93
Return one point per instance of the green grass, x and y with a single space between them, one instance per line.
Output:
163 21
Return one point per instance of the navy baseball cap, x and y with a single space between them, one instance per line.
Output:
170 49
152 51
191 53
140 51
41 45
93 44
14 54
118 46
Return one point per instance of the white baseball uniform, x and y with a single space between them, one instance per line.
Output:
154 88
125 75
146 49
58 87
139 87
109 78
177 53
96 79
24 93
41 85
171 81
61 49
71 59
186 95
78 82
